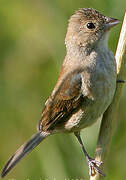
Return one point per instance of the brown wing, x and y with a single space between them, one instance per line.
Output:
65 99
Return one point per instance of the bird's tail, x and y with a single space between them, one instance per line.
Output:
23 150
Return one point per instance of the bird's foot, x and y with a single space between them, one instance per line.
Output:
94 167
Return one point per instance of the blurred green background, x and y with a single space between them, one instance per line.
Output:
31 51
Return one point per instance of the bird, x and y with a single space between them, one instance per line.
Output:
85 87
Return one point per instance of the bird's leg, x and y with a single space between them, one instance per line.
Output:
92 163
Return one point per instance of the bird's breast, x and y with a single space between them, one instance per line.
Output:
99 84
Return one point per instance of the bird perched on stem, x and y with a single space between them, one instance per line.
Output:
85 86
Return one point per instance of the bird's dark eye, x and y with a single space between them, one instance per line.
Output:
90 25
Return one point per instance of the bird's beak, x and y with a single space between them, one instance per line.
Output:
111 22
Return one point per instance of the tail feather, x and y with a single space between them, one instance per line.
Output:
23 150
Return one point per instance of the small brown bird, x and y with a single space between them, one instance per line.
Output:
85 87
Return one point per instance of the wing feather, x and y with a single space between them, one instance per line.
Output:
62 103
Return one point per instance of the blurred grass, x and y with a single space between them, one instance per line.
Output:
31 51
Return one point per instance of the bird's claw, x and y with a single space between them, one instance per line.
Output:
94 167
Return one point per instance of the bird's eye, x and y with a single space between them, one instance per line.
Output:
90 25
